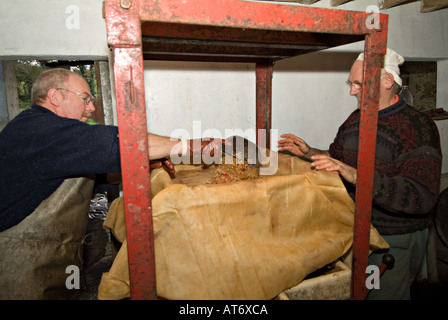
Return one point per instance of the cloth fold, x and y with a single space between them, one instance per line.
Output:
244 240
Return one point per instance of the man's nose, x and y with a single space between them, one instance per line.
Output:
354 90
90 106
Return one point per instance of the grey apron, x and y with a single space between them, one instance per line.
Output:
35 253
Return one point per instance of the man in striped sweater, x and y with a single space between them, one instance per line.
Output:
406 174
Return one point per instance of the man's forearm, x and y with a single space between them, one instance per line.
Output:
161 147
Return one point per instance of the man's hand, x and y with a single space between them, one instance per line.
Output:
166 164
294 145
298 146
323 162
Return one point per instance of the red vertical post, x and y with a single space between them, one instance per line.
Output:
124 36
373 56
263 75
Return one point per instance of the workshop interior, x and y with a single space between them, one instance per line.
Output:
248 72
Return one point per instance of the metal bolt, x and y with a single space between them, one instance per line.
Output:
126 4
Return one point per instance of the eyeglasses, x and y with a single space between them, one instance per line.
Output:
355 85
86 100
358 85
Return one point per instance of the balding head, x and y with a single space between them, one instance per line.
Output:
53 78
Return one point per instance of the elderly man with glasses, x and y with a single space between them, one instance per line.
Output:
48 159
406 174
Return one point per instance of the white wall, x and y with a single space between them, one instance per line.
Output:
220 96
310 97
56 29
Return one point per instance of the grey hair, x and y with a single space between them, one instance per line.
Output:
53 78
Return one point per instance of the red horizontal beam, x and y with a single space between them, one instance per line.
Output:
264 15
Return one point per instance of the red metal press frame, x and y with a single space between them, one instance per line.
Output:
234 31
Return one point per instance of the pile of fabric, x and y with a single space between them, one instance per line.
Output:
248 239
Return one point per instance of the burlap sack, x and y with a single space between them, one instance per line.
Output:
35 253
245 240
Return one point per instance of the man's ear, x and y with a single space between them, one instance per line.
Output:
54 97
389 80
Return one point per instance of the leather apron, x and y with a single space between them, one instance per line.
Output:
35 253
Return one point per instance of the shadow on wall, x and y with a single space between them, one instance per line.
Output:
318 62
310 62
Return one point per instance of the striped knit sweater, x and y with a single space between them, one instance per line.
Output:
407 166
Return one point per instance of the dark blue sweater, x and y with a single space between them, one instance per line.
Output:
39 149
